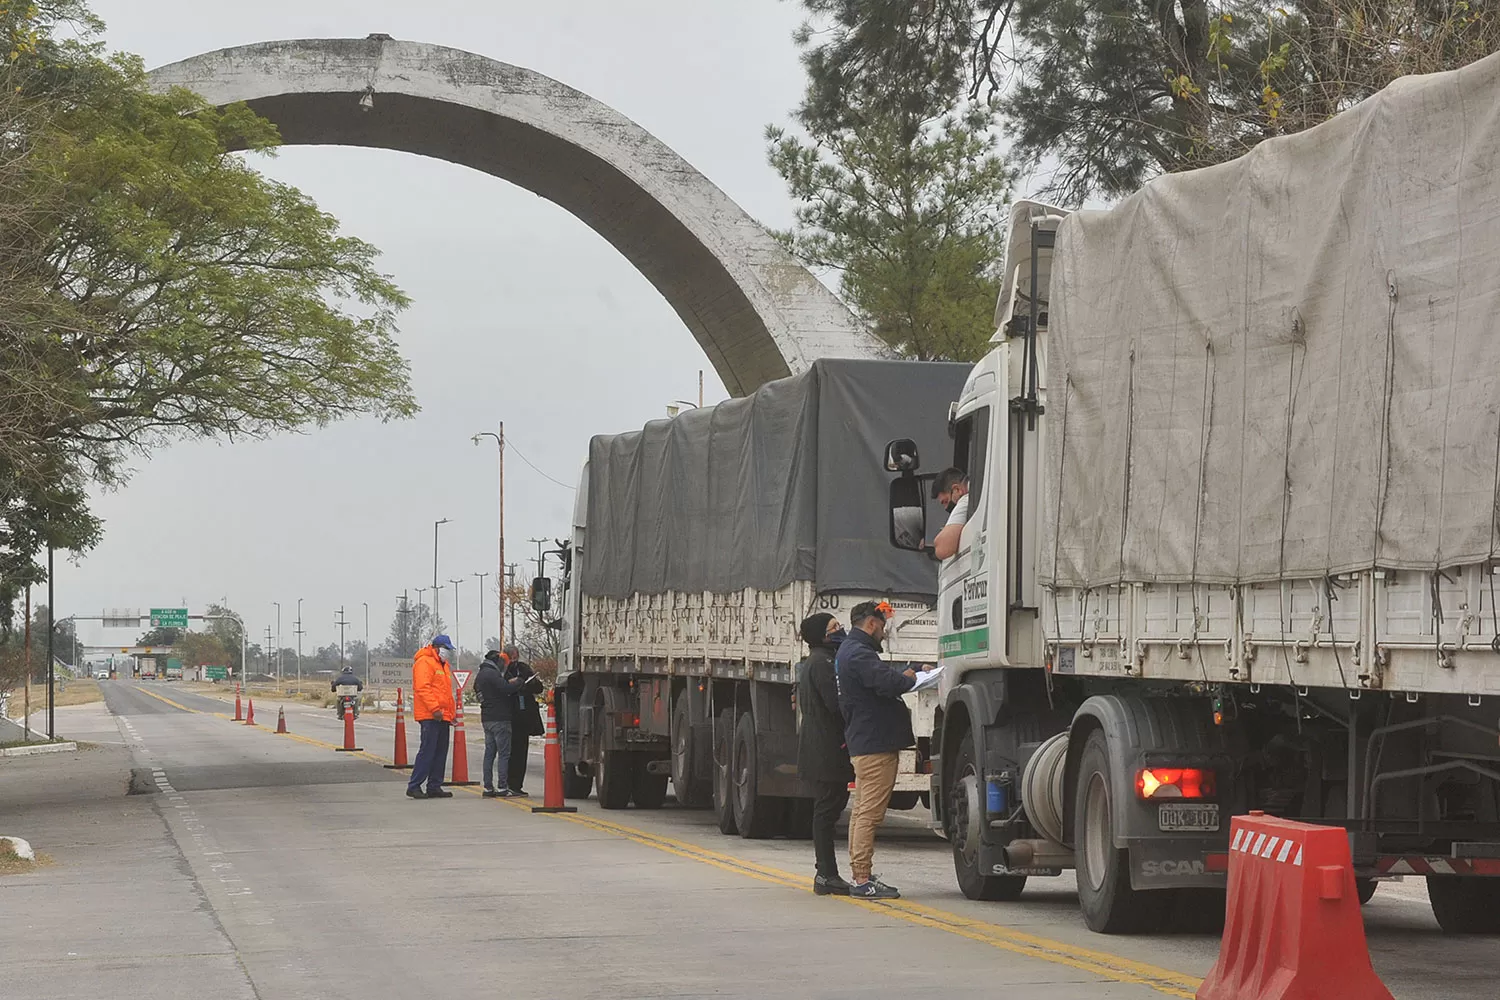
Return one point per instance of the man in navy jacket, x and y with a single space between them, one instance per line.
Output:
877 727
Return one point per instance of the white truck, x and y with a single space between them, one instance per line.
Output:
699 545
1232 540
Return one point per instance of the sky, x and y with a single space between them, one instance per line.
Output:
521 314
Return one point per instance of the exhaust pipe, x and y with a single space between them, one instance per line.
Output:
1037 854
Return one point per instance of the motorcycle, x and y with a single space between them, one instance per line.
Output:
348 702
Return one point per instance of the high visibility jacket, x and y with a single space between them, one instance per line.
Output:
431 686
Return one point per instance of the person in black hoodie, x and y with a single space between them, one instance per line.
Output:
822 758
528 719
497 712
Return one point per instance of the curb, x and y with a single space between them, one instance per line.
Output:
40 748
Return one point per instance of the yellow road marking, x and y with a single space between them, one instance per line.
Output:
1115 968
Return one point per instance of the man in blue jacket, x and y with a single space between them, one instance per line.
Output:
877 727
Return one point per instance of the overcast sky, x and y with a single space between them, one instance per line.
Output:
521 313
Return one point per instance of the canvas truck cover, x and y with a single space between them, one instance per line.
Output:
787 484
1287 365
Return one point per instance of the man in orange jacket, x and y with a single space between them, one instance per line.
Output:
433 708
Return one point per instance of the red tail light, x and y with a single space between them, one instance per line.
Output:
1174 783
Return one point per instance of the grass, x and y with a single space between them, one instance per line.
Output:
13 864
79 691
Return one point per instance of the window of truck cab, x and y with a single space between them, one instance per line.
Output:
971 435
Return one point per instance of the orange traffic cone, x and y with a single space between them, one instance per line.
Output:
250 713
281 720
460 747
552 790
239 712
348 732
399 757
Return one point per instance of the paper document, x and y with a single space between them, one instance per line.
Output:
927 678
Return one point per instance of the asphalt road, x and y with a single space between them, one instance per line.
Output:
255 865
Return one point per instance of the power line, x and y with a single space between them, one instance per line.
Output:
511 444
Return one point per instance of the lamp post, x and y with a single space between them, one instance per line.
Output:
500 444
481 576
457 628
437 600
341 622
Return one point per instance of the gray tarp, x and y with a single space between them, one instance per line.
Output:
784 485
1286 365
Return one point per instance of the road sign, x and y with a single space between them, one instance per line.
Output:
122 618
462 676
391 673
216 673
169 617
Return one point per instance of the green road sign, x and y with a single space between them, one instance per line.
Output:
169 618
216 673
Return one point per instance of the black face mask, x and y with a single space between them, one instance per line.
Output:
950 505
835 639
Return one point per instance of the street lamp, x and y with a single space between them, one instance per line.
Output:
457 628
437 606
500 444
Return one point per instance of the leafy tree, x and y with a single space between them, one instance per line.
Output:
220 623
161 636
411 627
898 186
202 649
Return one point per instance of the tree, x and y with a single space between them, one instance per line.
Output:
410 628
224 625
160 636
202 649
898 187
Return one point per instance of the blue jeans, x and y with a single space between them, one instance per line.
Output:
497 747
432 756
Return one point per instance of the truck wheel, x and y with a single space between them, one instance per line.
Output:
575 784
614 778
1109 904
649 790
758 816
1366 887
691 793
964 819
1465 905
723 767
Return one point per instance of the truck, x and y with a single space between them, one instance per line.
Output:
174 669
147 667
699 544
1232 469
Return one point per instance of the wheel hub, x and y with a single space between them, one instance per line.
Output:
966 812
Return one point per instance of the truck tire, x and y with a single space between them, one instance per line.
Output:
1366 888
1465 905
648 791
576 785
723 765
691 793
963 834
757 816
614 778
1109 904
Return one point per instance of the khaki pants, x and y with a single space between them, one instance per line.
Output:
874 777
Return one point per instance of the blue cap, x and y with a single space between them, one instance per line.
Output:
443 642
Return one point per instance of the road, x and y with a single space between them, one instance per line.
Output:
195 856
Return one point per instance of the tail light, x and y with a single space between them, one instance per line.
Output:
1175 783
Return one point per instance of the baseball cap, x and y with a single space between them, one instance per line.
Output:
443 642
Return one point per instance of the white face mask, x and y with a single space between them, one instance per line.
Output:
443 654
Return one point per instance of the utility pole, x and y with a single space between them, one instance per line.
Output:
482 640
279 682
367 640
51 629
299 646
540 568
511 570
500 444
420 605
268 649
26 718
406 628
457 628
700 388
341 622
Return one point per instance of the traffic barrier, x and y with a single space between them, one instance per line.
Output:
239 713
399 757
281 719
348 746
460 746
553 800
1292 930
250 713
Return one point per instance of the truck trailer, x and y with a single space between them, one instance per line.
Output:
1233 465
699 544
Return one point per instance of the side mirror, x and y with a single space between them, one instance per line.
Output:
541 594
901 456
908 514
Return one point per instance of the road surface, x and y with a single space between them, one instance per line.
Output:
192 856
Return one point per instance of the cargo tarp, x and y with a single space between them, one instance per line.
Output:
1289 364
787 484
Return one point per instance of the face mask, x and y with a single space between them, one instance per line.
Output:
443 655
835 638
950 505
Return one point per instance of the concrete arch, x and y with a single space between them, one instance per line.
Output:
756 311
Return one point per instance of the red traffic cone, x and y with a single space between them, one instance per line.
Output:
552 790
460 747
250 713
400 755
239 713
281 720
348 732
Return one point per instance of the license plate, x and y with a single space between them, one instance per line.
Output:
1190 818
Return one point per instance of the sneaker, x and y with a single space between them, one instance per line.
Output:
415 793
489 793
508 793
441 793
874 889
520 793
830 885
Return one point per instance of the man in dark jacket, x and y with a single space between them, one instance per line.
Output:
528 722
822 758
877 727
497 712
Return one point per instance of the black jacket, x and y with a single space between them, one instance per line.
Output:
876 720
821 755
346 677
497 696
528 712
